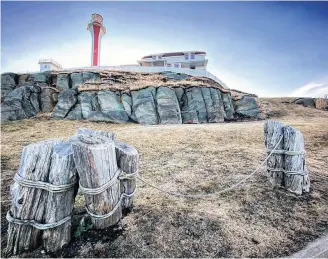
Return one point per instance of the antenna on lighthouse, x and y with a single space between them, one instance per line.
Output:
97 30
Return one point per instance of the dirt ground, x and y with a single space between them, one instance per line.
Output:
251 221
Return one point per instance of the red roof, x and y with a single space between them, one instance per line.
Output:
172 54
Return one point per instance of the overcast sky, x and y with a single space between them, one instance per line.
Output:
266 48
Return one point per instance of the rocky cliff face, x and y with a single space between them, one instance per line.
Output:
163 98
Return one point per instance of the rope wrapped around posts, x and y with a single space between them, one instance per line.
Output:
95 159
286 167
41 211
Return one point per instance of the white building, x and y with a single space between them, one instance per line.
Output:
49 65
183 59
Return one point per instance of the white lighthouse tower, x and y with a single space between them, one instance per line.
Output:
97 31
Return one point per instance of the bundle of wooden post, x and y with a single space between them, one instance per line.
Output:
99 160
42 198
286 166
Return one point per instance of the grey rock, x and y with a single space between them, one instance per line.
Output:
34 98
194 105
13 102
179 92
42 77
66 101
306 102
127 105
213 105
21 103
111 106
75 113
99 116
7 113
23 79
144 106
87 101
90 77
47 99
8 84
76 79
228 105
79 78
63 81
29 100
215 91
188 109
247 107
53 80
168 106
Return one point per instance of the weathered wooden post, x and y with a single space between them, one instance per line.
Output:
60 205
273 132
95 160
286 165
296 174
128 161
29 214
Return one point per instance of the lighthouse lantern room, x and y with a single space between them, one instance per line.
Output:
97 30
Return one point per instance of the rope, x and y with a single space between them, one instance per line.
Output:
286 152
43 185
102 188
104 216
198 196
125 176
286 171
35 224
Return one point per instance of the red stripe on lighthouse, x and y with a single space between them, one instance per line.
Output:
96 31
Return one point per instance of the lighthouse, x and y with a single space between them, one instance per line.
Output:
97 31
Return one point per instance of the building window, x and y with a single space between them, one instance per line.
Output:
45 66
176 65
154 57
186 56
159 57
192 56
168 65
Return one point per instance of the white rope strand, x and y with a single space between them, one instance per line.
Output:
199 196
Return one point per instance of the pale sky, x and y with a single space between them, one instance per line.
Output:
266 48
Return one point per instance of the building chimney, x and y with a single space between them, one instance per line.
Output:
97 31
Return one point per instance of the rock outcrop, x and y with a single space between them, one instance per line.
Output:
66 101
307 102
247 107
120 97
8 84
21 103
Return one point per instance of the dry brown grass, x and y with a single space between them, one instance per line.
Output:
251 221
131 81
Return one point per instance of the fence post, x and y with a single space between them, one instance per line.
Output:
273 132
60 205
128 161
95 160
286 166
31 199
296 174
